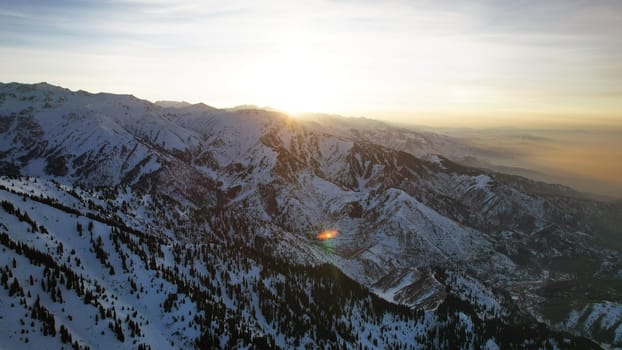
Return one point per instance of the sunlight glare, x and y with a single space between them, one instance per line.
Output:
296 77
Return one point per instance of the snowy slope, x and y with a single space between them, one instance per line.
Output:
68 278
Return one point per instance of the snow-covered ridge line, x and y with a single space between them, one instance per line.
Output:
193 174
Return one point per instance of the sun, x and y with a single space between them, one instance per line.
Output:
296 78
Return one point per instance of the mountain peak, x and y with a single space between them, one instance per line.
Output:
233 200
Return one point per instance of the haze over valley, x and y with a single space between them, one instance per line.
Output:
586 158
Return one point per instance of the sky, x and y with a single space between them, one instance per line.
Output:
543 63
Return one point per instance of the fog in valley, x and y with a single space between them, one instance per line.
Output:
587 159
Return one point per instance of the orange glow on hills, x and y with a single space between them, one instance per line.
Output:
326 235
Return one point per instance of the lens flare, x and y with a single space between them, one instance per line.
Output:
326 235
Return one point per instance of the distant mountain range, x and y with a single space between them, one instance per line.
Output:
133 224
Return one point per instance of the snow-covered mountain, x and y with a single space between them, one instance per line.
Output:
191 226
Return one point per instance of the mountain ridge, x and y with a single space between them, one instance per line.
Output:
195 173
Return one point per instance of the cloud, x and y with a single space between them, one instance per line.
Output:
362 56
